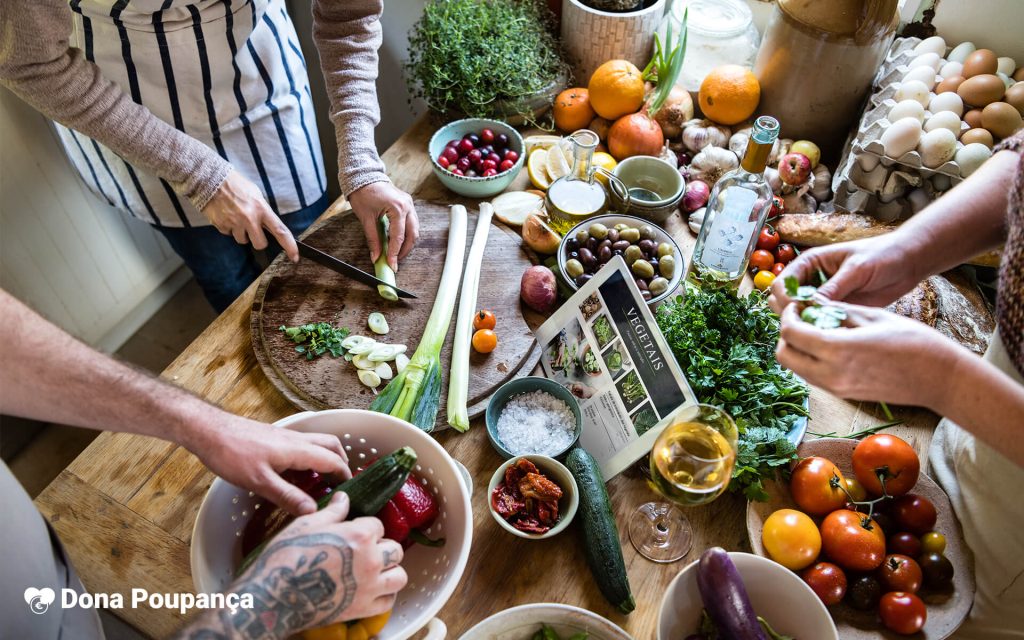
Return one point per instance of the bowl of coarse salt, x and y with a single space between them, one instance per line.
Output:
533 416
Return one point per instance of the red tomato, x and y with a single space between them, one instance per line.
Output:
852 541
785 253
900 573
768 239
914 513
778 208
903 613
892 458
906 543
777 268
816 486
761 260
827 581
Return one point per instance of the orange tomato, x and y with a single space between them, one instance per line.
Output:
484 319
485 340
811 486
853 541
791 538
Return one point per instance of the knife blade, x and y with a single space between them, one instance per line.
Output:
345 269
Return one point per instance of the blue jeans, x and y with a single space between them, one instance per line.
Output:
222 267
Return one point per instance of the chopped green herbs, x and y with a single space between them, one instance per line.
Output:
316 339
726 347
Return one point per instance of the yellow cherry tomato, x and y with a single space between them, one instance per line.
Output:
791 538
855 489
763 280
485 340
484 320
933 542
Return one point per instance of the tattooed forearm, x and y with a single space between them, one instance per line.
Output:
290 589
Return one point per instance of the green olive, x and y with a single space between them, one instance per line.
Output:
632 254
574 268
667 266
582 236
665 249
658 286
643 268
622 225
647 232
630 235
599 231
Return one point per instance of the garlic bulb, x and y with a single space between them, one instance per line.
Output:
698 133
696 219
773 178
822 188
799 203
669 156
784 145
711 163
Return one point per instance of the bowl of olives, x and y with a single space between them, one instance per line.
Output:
651 254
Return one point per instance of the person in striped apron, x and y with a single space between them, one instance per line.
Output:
196 116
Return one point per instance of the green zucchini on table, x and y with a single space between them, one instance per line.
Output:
600 535
367 492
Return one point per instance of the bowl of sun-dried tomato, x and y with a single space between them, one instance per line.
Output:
533 497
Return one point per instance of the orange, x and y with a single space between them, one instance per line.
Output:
616 89
729 94
572 109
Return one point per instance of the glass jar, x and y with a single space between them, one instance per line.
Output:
719 32
578 195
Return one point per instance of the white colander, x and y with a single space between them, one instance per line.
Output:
433 572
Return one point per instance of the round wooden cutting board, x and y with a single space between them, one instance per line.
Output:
293 294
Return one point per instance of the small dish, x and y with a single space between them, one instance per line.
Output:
644 172
520 386
525 620
478 187
556 472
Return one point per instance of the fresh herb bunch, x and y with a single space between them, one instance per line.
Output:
726 347
316 339
470 56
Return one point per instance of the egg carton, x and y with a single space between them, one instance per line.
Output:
885 192
900 54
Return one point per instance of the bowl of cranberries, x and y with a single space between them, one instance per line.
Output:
476 157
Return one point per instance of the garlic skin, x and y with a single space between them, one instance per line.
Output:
822 188
699 133
799 203
774 179
669 156
711 163
696 219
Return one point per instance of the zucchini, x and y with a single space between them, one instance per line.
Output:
367 492
600 535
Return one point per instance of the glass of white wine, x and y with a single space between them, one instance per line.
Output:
691 464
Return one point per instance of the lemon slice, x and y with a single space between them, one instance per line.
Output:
605 160
557 162
540 142
536 168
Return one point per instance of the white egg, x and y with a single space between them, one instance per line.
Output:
972 156
912 90
901 136
936 147
922 74
932 60
961 51
934 44
907 109
951 69
1006 65
1007 80
942 182
943 120
948 101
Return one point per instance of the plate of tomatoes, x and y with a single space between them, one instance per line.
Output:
874 537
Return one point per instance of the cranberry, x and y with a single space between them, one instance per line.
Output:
465 145
489 147
475 139
443 161
464 164
452 143
458 172
474 156
487 136
484 152
506 165
490 172
501 141
451 153
511 155
489 164
471 174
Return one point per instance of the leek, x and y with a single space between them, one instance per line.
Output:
381 267
458 383
414 394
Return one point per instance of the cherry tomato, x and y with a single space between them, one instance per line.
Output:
914 513
762 260
864 592
785 253
900 573
902 612
937 570
852 541
768 239
778 207
855 489
933 542
906 543
827 581
763 280
484 319
791 538
777 268
886 455
815 485
485 340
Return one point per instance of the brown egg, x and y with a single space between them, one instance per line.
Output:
973 118
1015 96
980 62
949 84
977 135
981 90
1001 119
1018 75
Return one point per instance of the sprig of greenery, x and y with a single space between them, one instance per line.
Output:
316 339
666 63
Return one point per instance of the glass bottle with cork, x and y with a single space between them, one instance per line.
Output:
736 210
578 195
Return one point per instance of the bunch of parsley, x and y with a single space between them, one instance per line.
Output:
316 338
726 348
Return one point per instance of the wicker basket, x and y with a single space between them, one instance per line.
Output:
593 37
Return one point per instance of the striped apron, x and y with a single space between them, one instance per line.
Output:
226 72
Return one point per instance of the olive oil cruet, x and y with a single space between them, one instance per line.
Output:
578 195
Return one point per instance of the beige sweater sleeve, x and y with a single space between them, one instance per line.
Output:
37 64
347 35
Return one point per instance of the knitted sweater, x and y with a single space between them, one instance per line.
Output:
1010 303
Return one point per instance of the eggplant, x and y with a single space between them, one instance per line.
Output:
725 597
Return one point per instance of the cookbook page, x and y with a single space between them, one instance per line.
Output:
604 346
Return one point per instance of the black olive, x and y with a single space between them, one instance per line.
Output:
621 245
648 246
574 255
604 243
592 243
604 254
641 284
587 258
654 263
572 244
646 295
582 280
613 235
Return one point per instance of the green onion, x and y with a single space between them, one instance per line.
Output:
666 63
414 394
458 383
381 267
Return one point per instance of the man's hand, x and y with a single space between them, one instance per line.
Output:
239 209
383 198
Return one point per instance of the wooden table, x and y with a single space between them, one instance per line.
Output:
125 507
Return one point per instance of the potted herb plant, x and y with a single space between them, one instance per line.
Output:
486 58
595 31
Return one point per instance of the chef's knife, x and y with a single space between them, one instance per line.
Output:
346 269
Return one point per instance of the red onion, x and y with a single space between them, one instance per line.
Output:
696 195
538 289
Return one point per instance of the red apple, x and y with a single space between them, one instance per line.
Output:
794 168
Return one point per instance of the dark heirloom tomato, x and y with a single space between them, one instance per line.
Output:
812 486
914 513
906 543
864 593
902 612
937 570
827 581
892 458
852 541
900 573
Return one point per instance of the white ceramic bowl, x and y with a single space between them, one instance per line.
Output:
520 623
777 594
557 473
434 572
